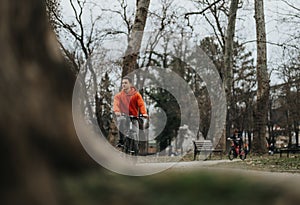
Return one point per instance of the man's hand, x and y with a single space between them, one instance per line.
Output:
118 114
145 115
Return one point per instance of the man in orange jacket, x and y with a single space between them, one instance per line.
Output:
129 102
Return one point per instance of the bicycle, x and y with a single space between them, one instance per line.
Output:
236 149
131 137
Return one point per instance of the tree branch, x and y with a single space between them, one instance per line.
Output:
201 12
272 43
291 5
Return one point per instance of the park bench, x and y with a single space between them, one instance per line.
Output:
206 147
288 151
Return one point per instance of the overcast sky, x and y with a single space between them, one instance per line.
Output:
245 31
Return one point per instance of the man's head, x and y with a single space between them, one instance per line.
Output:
126 83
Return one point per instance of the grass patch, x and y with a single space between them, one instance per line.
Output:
266 163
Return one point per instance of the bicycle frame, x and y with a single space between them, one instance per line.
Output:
131 137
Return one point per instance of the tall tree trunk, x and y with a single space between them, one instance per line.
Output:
136 36
133 47
228 65
261 111
36 127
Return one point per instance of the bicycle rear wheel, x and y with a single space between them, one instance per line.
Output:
243 154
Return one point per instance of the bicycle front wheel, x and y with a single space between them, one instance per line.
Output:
231 154
132 148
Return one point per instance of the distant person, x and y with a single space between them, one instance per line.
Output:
237 139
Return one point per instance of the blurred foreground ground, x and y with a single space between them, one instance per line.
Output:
186 183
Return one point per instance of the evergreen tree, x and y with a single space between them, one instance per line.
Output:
103 105
167 102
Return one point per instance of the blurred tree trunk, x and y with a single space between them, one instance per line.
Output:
36 127
261 111
135 37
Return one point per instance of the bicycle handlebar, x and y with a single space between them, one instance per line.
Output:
231 139
134 117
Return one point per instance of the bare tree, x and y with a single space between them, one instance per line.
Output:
87 37
290 73
289 18
228 56
225 38
214 13
228 63
53 6
261 111
135 39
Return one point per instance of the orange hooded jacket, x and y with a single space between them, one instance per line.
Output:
130 104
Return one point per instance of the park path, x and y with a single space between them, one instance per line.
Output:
188 165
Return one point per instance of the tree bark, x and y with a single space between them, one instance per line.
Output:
36 127
228 64
129 63
261 111
136 36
